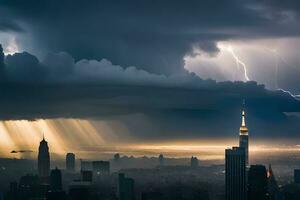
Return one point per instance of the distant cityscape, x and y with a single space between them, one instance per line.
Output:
238 179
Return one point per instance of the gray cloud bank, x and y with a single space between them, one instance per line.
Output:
153 35
152 106
127 64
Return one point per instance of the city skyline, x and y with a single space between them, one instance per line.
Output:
149 100
208 149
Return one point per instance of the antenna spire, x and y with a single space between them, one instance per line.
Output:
243 128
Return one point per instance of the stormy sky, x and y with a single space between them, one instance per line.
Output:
165 69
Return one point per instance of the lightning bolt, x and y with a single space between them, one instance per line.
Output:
277 57
238 62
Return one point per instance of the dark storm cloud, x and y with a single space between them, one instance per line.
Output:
152 106
9 26
153 35
23 67
138 74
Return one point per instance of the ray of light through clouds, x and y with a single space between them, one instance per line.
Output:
63 135
91 139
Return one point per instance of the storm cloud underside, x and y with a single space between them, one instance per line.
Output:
125 62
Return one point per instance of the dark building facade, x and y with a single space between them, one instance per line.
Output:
297 175
80 191
257 183
117 157
43 160
29 187
101 167
86 165
273 188
70 162
235 174
161 160
194 162
87 176
56 195
125 188
55 180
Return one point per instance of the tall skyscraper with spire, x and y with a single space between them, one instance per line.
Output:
244 143
235 174
43 160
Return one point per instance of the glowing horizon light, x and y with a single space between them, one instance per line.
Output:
89 142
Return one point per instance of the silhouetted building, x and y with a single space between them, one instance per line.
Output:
235 174
273 188
101 167
297 175
194 162
116 157
244 138
56 195
55 180
29 187
291 192
43 160
161 160
125 188
176 191
87 176
116 163
80 190
152 196
13 191
70 162
86 165
257 183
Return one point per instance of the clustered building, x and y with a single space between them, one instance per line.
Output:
48 183
244 181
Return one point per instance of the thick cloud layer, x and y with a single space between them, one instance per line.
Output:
62 68
151 105
127 64
154 35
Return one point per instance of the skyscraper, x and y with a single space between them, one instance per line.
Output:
125 188
55 180
257 183
86 165
161 160
101 167
86 176
297 176
244 137
273 188
70 162
235 174
117 157
43 160
194 162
